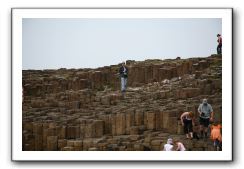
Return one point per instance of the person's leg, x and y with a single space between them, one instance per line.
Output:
218 51
206 125
122 84
190 129
201 131
206 132
218 148
201 127
125 83
216 144
186 128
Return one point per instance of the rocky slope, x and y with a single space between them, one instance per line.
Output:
83 109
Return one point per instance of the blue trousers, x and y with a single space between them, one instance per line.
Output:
123 83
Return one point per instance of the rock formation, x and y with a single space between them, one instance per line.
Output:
83 109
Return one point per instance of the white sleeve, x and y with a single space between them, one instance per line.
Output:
211 109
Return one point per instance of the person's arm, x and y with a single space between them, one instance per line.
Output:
182 116
212 116
120 71
212 113
199 110
178 147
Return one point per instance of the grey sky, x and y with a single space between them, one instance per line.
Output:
91 43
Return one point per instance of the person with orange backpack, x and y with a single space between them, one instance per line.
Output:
216 135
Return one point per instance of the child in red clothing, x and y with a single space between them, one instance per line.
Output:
216 136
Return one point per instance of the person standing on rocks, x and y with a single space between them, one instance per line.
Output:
205 111
219 47
188 122
123 72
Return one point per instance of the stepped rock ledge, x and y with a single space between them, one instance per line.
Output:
83 109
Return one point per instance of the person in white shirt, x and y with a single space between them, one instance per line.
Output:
169 146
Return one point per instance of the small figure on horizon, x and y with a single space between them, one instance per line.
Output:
206 114
169 145
219 47
123 72
216 136
179 146
187 122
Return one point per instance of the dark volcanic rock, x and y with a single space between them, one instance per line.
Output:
83 109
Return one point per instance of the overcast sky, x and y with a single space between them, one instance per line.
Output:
92 43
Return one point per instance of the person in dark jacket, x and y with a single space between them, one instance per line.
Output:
219 47
123 72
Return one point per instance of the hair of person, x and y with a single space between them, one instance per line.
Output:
191 114
176 141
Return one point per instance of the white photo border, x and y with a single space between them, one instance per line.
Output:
16 51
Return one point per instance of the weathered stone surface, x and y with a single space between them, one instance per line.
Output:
120 124
62 143
99 128
87 143
52 143
89 130
129 120
73 132
84 110
139 117
67 149
151 120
